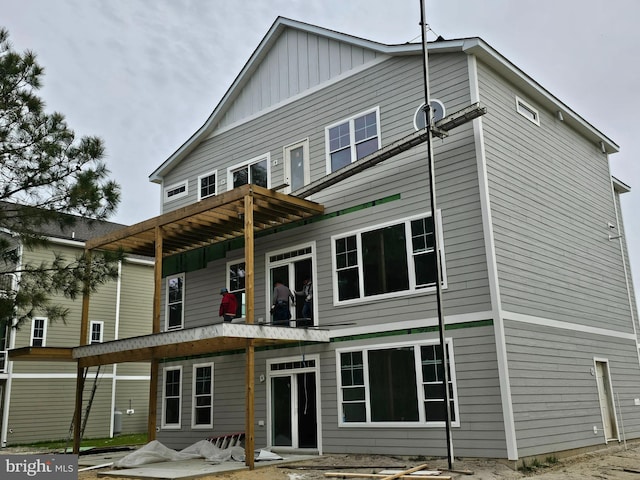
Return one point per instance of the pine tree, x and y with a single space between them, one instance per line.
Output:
47 177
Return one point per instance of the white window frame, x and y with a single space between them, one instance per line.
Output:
286 154
215 187
241 305
527 111
175 186
352 134
100 323
421 423
247 163
413 289
166 302
171 426
45 323
194 396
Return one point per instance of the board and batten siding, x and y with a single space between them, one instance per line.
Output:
554 390
550 193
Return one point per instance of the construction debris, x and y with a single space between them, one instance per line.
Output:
421 472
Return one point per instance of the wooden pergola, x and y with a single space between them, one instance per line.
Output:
238 213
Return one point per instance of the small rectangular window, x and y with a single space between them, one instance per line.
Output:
174 316
38 332
207 185
527 111
96 332
175 191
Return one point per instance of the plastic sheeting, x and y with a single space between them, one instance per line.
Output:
154 452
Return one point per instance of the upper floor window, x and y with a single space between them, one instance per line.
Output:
175 302
255 171
296 166
96 330
389 258
400 383
172 397
38 332
527 111
207 185
202 403
352 139
236 285
175 191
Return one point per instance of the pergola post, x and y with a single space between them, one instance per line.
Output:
249 438
84 334
157 295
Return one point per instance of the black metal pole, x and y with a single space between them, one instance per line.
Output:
432 192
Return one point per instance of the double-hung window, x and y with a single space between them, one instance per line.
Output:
207 185
352 139
254 171
399 383
38 332
236 285
172 397
202 403
96 331
175 302
391 258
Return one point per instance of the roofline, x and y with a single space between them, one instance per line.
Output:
471 46
619 186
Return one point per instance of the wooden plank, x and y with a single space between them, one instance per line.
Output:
403 475
424 466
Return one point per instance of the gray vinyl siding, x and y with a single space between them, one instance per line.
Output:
407 175
550 196
133 394
554 391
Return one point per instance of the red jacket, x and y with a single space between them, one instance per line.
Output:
229 304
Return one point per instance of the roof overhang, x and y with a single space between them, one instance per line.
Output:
209 221
39 354
193 341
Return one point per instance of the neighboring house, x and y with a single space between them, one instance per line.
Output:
538 302
38 396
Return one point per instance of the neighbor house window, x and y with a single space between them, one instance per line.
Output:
175 302
402 383
171 397
207 185
202 413
96 332
175 191
386 259
236 285
38 332
254 171
352 139
527 111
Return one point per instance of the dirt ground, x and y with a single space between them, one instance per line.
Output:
616 463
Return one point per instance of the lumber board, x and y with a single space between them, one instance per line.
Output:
403 475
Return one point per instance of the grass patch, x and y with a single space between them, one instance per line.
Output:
120 440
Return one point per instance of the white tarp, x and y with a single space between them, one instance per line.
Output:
155 451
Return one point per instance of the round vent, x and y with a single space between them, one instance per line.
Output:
437 112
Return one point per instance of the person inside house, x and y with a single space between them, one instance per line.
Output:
228 305
280 308
307 294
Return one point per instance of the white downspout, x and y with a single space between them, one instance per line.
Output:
12 344
115 337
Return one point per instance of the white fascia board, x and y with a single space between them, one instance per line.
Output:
619 186
487 54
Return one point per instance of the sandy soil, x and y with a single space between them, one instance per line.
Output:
615 463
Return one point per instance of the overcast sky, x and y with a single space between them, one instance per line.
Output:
145 74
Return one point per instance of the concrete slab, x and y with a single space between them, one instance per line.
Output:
194 468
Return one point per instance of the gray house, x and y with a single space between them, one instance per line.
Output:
296 175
